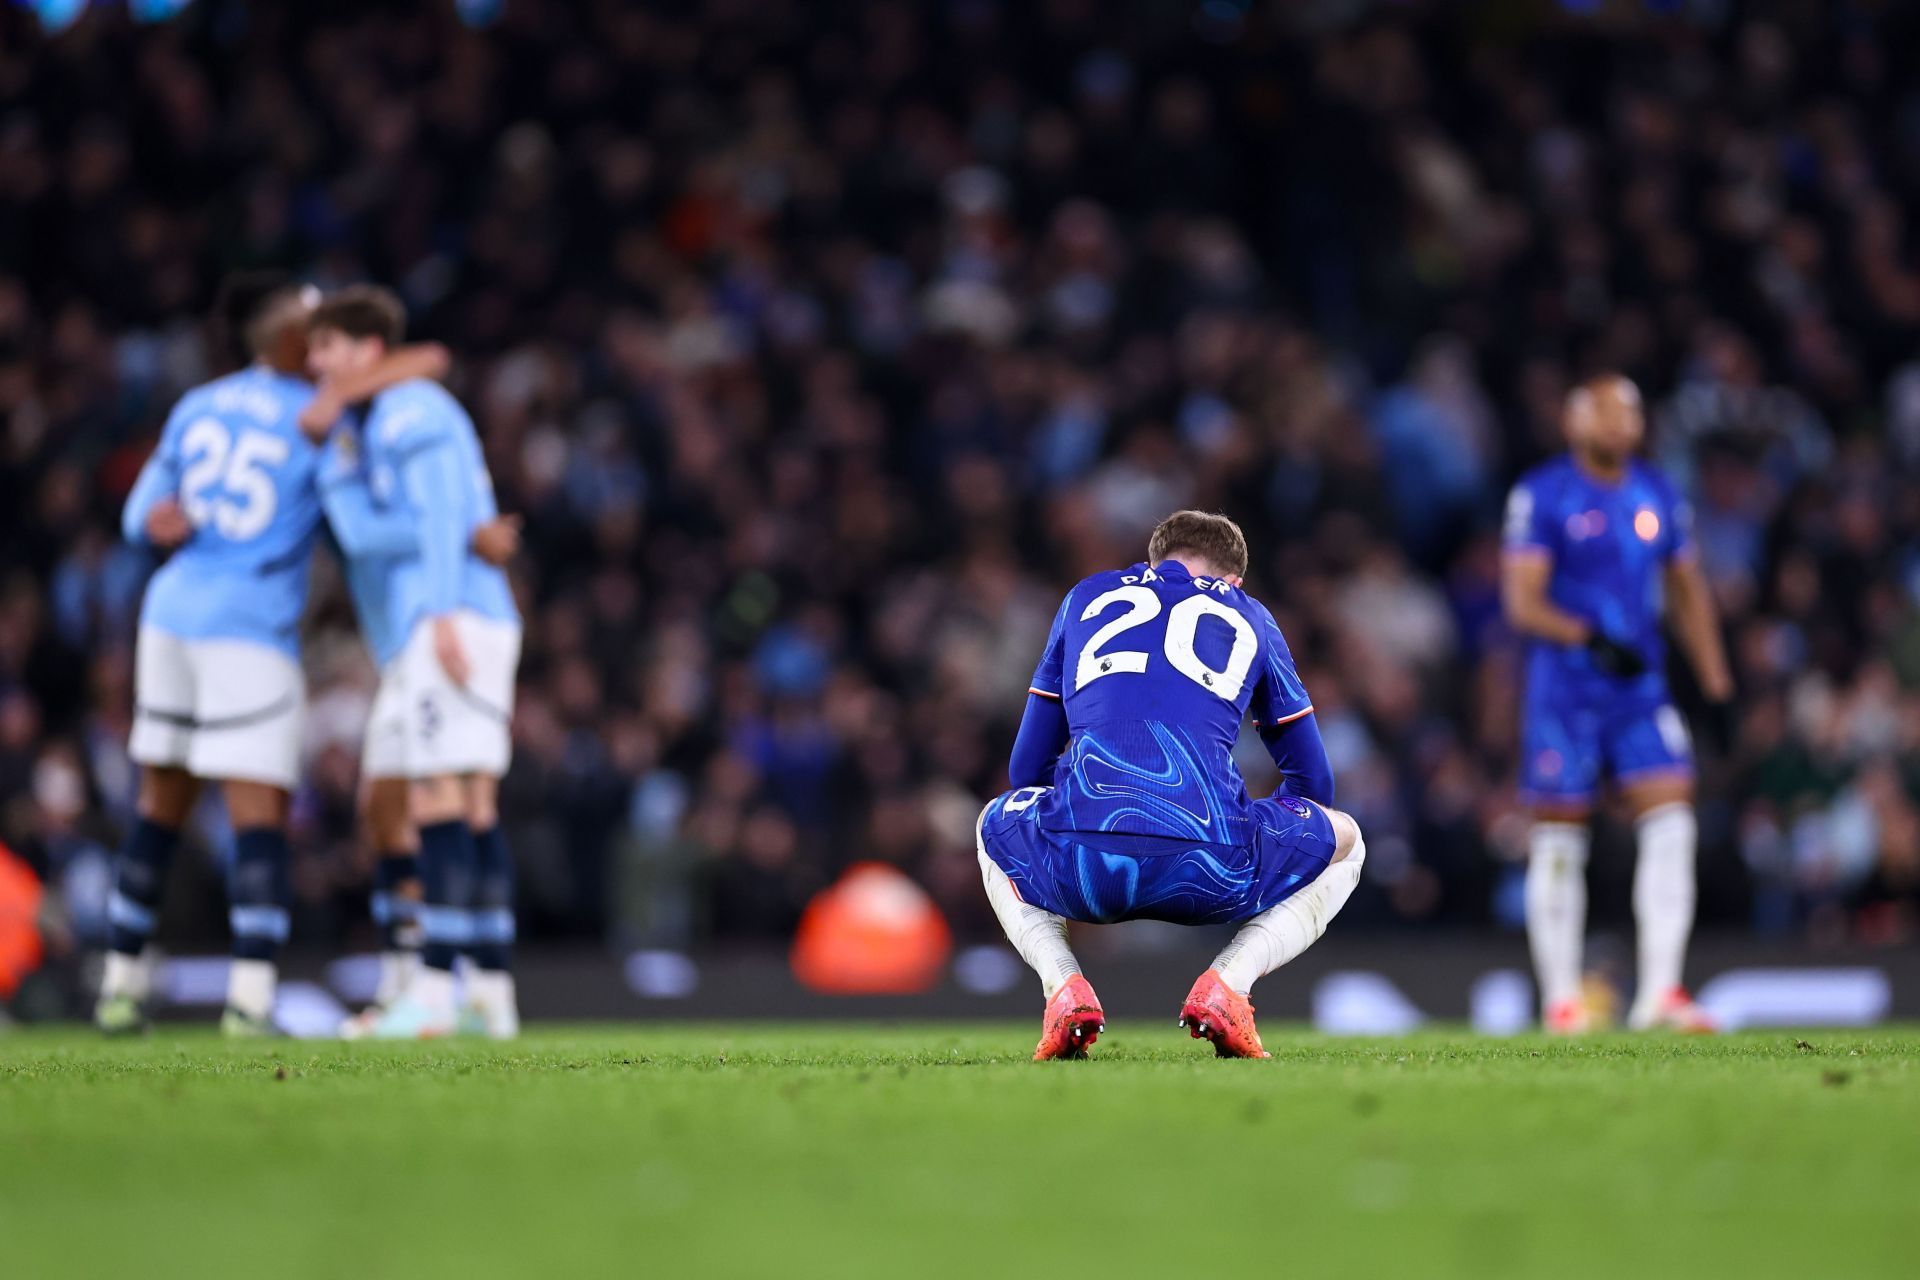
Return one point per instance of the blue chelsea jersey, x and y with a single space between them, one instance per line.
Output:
233 456
1610 545
1157 669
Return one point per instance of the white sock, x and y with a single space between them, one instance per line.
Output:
396 972
1280 933
126 975
433 988
250 987
1557 907
1663 896
1039 936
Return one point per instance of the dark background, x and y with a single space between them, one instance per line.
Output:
823 345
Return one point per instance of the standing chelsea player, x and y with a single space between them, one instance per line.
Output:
1127 803
443 625
1597 549
219 696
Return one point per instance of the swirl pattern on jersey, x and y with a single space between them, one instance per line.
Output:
1150 779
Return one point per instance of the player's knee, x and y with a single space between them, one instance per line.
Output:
166 795
1348 845
1644 797
389 817
255 805
437 800
483 802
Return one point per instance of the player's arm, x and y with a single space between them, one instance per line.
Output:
1690 608
1042 737
1301 757
153 515
364 528
1524 574
403 364
430 476
1283 717
1043 725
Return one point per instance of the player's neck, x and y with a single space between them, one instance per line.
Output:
1606 472
1192 568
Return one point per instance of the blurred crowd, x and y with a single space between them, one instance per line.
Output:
823 345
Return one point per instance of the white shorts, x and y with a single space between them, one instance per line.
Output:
221 709
425 726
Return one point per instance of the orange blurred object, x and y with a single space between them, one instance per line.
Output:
873 933
21 950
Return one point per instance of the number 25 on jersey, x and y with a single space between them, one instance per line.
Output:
227 483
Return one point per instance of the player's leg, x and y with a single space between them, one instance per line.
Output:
259 894
388 816
493 931
1073 1019
249 700
480 718
1652 759
438 807
1559 769
435 720
396 891
1314 857
166 798
161 744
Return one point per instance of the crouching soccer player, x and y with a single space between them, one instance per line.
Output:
219 693
443 625
1127 803
1596 547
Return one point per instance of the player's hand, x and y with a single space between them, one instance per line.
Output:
1615 658
167 524
1720 725
317 419
451 653
498 540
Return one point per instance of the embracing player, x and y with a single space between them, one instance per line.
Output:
442 624
1597 548
1127 803
217 685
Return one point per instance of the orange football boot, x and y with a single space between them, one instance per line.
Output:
1215 1011
1674 1010
1072 1022
1567 1018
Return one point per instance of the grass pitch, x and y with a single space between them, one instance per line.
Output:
939 1151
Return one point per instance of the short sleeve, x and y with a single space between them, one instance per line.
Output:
1528 525
1679 540
1050 674
1279 695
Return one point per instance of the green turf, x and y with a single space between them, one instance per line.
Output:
937 1151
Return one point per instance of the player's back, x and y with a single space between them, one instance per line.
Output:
1156 669
244 478
419 415
1609 544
